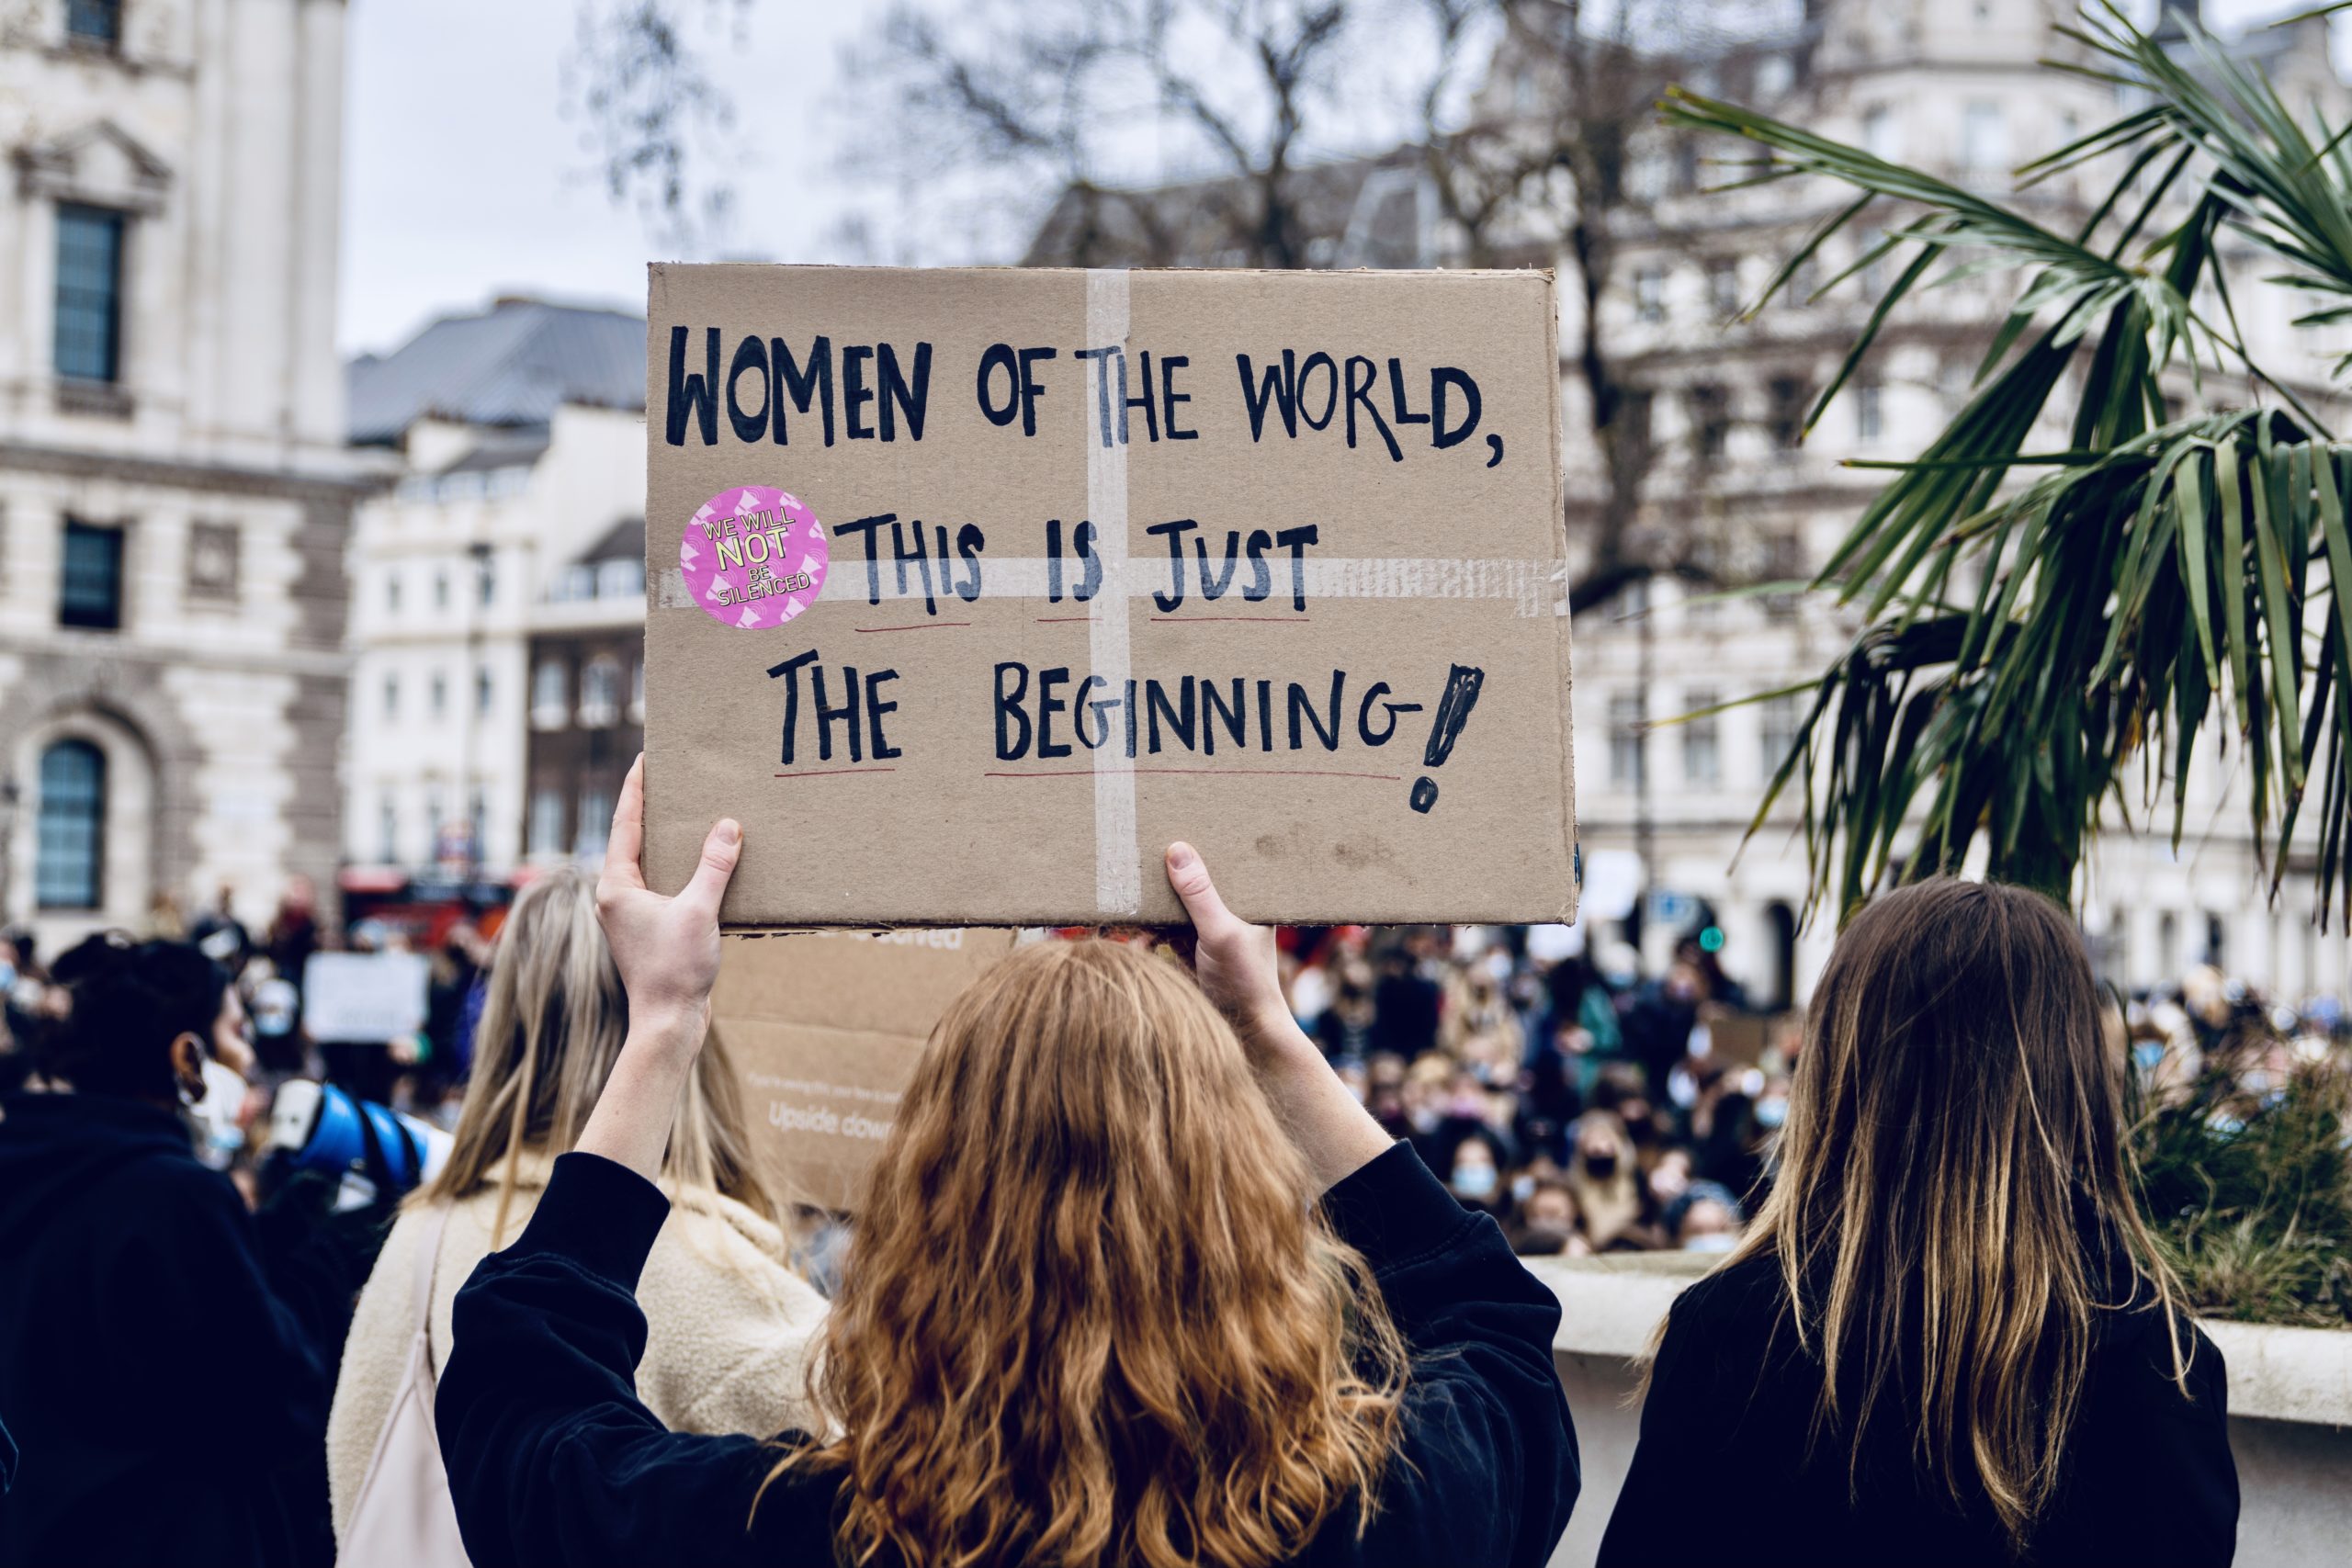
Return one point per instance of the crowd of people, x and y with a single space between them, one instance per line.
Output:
1586 1110
1583 1107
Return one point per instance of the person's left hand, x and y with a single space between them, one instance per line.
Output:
666 949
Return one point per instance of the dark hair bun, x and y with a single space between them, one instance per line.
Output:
130 1001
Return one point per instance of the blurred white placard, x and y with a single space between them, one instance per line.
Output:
364 997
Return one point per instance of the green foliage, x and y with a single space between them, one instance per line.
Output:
2170 582
2253 1202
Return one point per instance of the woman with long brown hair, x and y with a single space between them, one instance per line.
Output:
727 1324
1094 1313
1947 1336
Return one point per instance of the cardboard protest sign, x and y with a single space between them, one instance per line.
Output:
824 1031
971 590
364 997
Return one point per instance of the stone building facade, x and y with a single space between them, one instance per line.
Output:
520 439
176 494
1731 496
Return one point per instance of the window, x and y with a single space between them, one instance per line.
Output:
477 821
1984 139
439 701
1686 167
1722 286
1873 270
486 582
1775 75
89 293
95 21
600 697
547 821
1783 563
1628 739
1725 285
1869 421
595 822
1701 741
637 691
550 695
1631 426
441 589
1710 419
485 691
388 829
620 578
436 808
1779 732
69 840
392 698
1880 137
1650 293
392 593
89 587
1787 394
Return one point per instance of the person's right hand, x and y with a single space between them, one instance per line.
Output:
1233 959
666 949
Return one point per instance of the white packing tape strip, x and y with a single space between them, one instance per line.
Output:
1118 881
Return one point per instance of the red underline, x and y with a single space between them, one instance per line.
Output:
918 627
1237 772
829 773
1259 620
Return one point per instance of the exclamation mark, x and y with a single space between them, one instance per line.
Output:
1462 684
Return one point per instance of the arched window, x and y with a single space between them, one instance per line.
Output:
70 848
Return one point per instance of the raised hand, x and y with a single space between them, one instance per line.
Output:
1235 964
667 949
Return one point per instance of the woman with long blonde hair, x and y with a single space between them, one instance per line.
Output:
1131 1286
727 1324
1947 1337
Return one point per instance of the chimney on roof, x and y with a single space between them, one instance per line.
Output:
509 301
2174 19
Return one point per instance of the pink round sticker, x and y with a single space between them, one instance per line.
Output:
754 557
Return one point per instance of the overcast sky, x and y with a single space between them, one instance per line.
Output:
465 179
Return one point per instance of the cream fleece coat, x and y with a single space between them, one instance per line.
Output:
727 1325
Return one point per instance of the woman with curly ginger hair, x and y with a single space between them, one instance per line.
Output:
1137 1282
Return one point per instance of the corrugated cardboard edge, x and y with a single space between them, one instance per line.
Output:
1575 854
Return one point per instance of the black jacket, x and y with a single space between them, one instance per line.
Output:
168 1398
552 1461
1723 1471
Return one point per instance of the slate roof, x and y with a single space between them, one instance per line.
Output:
510 364
625 540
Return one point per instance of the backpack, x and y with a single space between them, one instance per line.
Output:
405 1517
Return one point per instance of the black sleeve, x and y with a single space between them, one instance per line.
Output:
551 1459
1486 1471
1653 1521
2179 1502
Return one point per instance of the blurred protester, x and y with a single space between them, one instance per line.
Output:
1607 1184
1705 1217
293 933
1007 1375
1547 1222
727 1322
1949 1337
138 1289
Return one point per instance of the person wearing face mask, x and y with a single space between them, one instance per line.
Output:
137 1280
1476 1180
